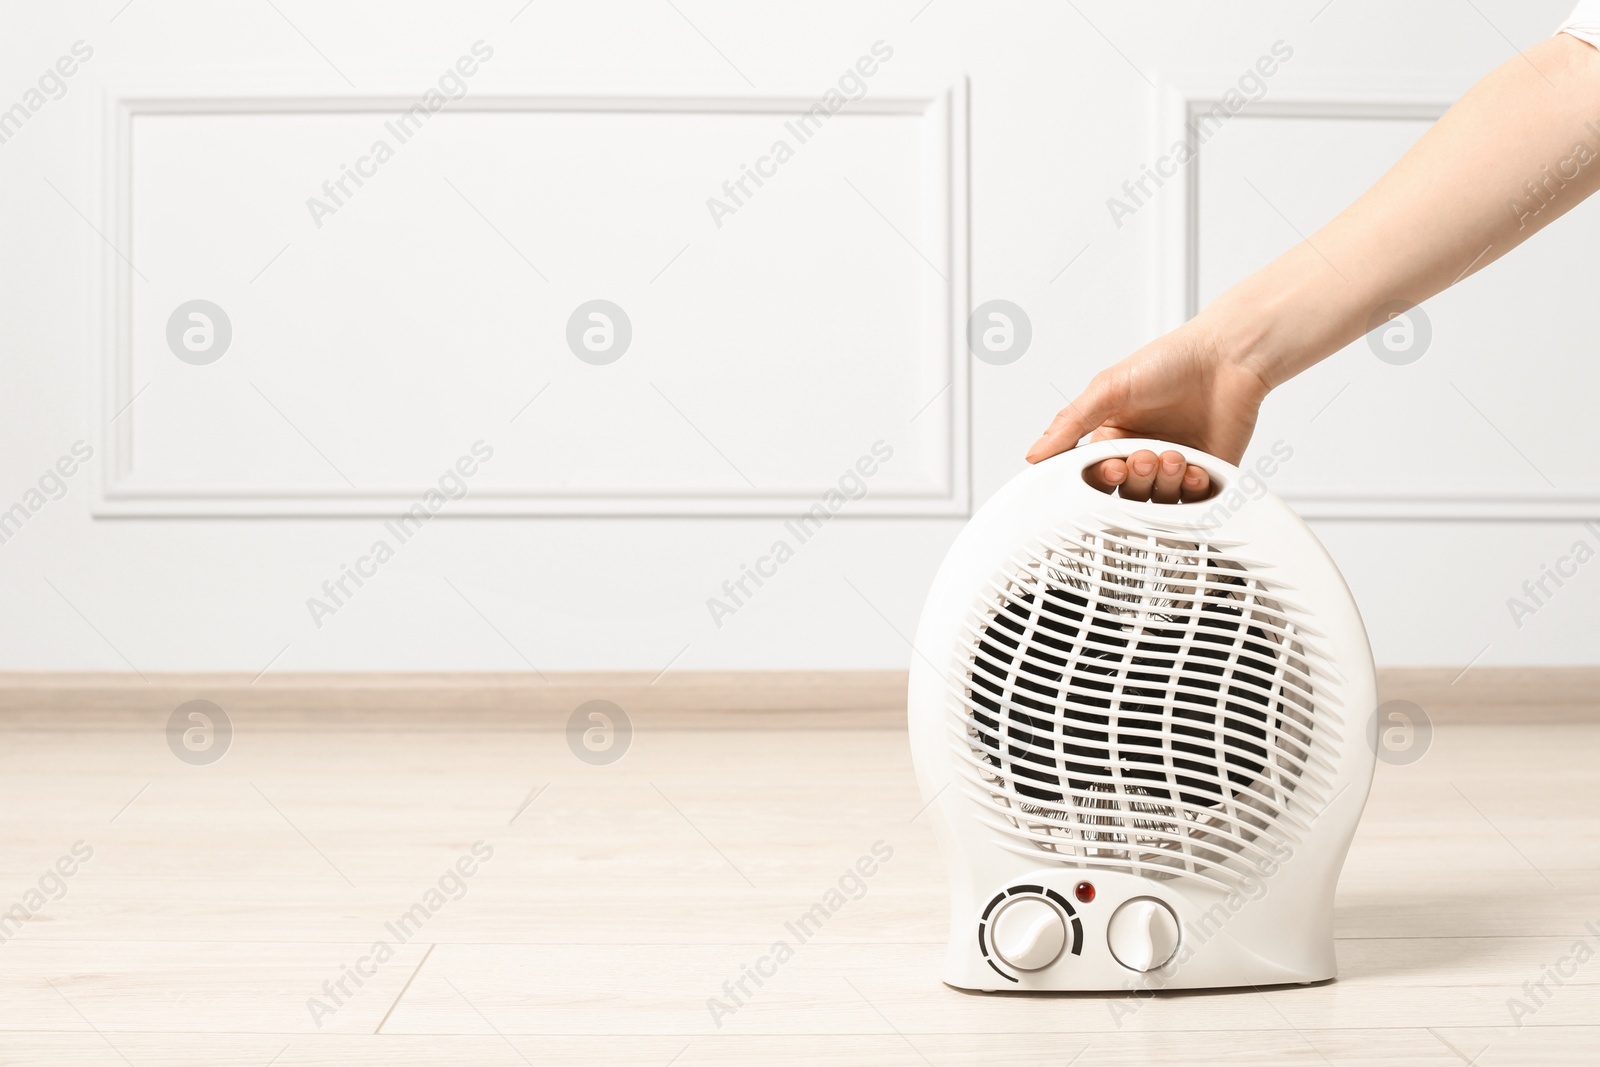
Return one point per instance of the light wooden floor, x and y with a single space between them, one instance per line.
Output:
219 899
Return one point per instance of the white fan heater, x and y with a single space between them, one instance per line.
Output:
1140 730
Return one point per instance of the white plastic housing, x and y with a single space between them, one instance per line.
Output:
1166 701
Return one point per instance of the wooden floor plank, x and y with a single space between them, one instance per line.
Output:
1259 1048
219 899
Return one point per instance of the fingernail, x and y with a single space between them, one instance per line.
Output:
1144 468
1116 477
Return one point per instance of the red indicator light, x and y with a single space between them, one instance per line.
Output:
1084 892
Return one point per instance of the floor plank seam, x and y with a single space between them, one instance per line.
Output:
766 1034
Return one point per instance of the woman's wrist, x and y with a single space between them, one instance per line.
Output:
1277 322
1243 335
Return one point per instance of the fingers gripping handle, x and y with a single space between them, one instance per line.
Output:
1223 475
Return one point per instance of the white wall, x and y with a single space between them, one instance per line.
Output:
769 354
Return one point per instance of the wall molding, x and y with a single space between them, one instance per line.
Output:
942 115
1178 256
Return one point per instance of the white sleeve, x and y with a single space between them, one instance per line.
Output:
1584 22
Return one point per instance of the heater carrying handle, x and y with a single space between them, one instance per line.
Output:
1204 514
1223 475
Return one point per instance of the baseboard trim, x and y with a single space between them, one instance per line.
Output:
516 701
678 700
1497 694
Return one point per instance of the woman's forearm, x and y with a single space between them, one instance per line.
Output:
1521 148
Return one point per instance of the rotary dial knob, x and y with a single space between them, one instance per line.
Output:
1028 933
1143 934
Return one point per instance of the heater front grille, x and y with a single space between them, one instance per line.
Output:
1138 702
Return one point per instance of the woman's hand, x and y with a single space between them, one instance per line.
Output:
1437 216
1184 388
